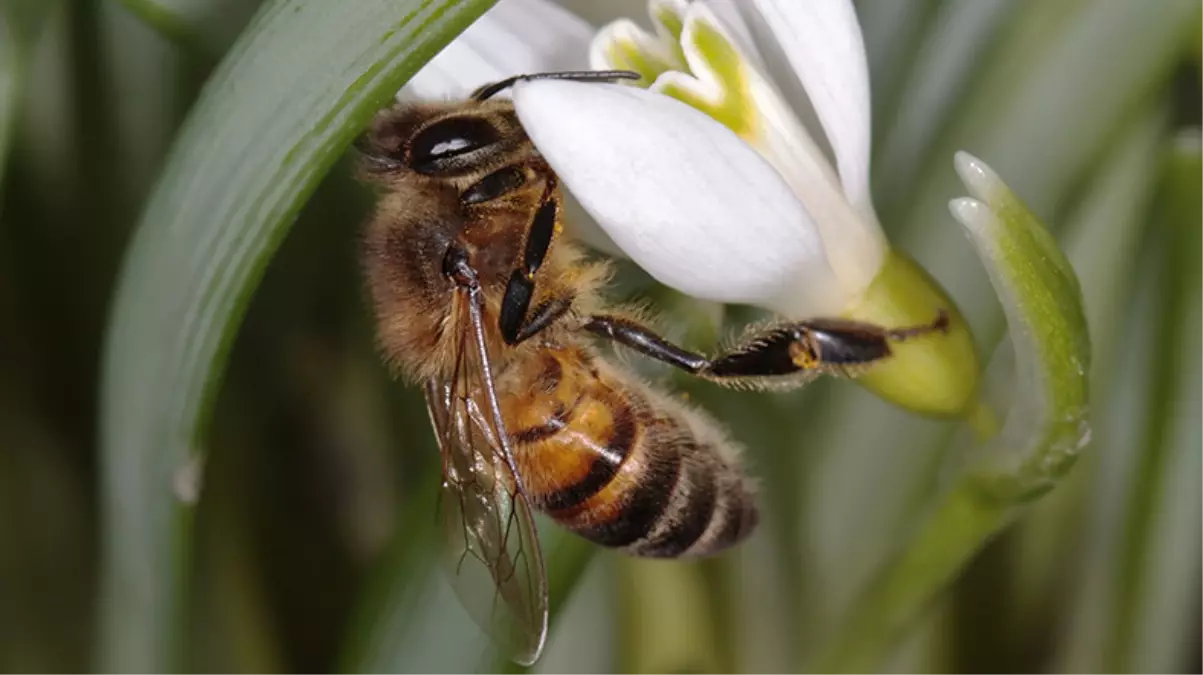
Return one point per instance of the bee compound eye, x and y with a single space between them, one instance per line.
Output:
432 146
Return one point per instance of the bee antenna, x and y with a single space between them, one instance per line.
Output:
489 90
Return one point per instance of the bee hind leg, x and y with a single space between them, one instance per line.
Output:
815 345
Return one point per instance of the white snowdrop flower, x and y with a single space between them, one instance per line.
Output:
725 178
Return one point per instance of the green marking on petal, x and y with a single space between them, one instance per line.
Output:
734 106
666 16
629 55
671 25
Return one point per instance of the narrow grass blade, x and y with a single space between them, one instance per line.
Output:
10 88
201 29
1158 571
944 64
169 21
21 23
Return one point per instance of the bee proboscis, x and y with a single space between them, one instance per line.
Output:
480 297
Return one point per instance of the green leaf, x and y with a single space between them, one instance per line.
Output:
282 107
169 20
202 29
1044 431
1158 567
10 88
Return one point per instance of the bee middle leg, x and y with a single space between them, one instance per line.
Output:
824 345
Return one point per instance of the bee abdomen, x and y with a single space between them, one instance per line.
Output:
687 502
708 510
625 466
670 497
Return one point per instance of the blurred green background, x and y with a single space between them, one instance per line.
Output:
313 536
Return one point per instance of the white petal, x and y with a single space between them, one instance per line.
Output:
514 37
682 195
581 227
822 41
854 242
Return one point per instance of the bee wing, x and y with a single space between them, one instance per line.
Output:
491 549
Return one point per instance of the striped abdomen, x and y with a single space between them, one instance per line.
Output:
620 464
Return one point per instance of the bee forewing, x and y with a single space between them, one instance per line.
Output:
493 563
491 551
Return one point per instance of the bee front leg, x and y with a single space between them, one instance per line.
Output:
805 347
517 321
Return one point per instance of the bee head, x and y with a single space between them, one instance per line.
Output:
449 139
437 140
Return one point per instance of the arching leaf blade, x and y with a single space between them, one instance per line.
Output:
279 111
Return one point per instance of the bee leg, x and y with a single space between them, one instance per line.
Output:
513 321
640 338
545 314
516 326
830 345
514 305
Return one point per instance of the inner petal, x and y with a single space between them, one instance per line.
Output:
622 45
732 91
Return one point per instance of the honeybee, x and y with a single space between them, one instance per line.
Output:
481 298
